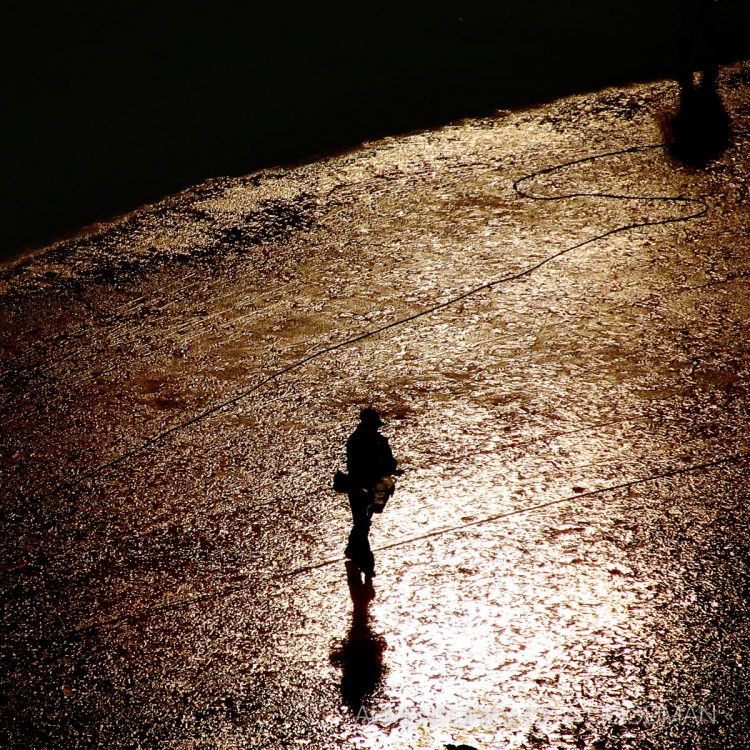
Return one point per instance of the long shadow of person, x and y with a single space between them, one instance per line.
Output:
701 129
360 656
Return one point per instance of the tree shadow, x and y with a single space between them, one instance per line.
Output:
360 656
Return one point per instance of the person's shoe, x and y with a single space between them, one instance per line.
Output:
352 574
368 590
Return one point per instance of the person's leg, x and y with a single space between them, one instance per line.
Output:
360 524
361 551
358 503
354 543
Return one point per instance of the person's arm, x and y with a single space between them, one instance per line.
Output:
356 461
388 462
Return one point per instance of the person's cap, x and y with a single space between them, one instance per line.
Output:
371 416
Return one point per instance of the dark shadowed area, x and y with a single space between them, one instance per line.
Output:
110 106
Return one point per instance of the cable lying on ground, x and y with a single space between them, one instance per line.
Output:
701 209
229 591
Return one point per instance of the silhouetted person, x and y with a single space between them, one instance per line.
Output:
368 460
700 131
361 655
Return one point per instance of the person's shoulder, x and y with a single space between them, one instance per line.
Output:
354 438
382 438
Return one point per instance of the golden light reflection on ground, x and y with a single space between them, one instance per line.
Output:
479 626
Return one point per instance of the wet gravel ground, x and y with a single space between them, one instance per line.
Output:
565 561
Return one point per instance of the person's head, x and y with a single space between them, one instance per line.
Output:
370 419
